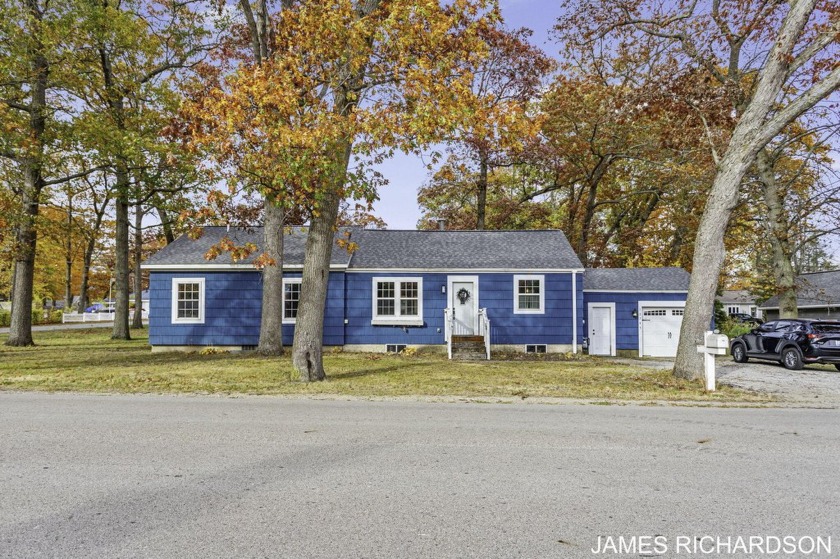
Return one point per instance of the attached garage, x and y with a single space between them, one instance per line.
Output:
659 328
634 311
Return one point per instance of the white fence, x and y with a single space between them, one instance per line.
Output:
95 316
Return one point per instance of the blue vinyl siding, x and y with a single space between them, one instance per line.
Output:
627 327
232 310
495 292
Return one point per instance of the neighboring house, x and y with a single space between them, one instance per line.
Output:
637 311
514 290
739 301
817 296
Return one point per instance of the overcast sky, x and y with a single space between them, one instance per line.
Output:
398 200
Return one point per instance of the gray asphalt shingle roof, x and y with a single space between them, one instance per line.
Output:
488 250
636 279
382 249
813 290
188 252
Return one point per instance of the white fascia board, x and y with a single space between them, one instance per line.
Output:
462 270
632 291
222 267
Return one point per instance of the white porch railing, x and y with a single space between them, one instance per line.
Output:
484 329
448 328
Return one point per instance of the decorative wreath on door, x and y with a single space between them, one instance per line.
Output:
463 295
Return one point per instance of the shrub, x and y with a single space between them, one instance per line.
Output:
5 318
733 328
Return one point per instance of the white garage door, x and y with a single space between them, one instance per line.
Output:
661 331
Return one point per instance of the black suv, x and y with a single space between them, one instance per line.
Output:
792 342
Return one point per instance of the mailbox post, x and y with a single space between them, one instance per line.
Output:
714 344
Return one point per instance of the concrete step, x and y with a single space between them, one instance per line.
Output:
468 348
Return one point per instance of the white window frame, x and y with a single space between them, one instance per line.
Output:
201 301
287 281
396 319
516 279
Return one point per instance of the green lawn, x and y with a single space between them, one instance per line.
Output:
87 360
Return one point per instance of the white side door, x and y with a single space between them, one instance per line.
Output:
601 329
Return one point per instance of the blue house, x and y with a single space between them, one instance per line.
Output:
474 291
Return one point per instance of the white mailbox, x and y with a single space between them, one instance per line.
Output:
713 344
716 343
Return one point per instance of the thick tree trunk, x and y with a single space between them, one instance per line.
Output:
481 201
753 131
307 353
137 318
309 328
20 331
778 231
121 331
271 322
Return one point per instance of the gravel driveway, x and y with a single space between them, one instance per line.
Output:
815 385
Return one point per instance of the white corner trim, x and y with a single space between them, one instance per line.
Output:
538 277
574 313
201 301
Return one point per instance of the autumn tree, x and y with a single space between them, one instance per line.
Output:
499 124
775 61
37 76
135 46
346 85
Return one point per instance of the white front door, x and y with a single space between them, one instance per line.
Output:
463 300
601 330
661 331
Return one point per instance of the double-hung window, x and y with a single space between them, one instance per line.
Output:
398 301
291 299
188 301
528 294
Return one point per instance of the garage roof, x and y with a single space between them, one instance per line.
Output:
636 279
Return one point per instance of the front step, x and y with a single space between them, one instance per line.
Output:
468 348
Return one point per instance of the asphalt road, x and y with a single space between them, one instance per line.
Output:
153 476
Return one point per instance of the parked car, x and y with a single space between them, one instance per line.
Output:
745 318
792 342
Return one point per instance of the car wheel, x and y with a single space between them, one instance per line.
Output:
791 359
739 354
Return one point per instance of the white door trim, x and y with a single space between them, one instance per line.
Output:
610 306
450 294
645 304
